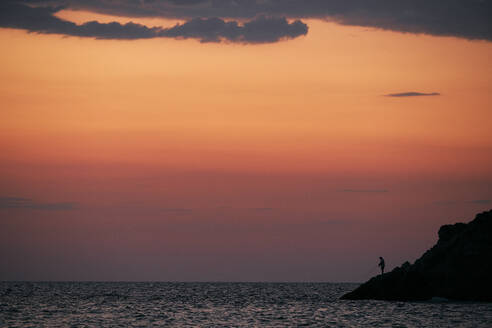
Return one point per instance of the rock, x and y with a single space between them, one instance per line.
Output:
458 267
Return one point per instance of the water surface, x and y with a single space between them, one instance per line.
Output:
220 305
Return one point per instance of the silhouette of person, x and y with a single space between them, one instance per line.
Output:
381 264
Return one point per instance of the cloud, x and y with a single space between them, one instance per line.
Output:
261 29
468 19
412 94
477 201
177 210
43 20
481 201
26 203
364 190
445 202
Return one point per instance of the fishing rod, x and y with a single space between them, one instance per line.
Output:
370 270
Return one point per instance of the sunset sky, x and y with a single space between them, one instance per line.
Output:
220 140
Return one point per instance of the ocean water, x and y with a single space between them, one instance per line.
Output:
118 304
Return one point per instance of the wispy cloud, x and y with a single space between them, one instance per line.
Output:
454 202
481 201
445 202
412 94
364 190
177 210
27 203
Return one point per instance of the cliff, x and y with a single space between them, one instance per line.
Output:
458 267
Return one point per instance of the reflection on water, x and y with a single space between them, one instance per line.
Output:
220 304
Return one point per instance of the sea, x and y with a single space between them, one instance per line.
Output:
156 304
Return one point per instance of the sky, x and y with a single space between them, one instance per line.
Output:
220 140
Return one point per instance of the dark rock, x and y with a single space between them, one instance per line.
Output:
458 267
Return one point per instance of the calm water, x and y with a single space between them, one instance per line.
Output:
219 305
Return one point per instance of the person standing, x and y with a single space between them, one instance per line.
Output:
381 264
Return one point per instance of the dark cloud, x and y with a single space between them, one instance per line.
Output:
42 20
412 94
261 29
26 203
469 19
364 190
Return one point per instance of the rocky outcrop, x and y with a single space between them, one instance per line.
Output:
458 267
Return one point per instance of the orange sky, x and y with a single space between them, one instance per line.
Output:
279 132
